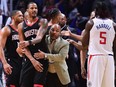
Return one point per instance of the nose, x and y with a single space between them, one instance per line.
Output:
34 9
54 32
22 17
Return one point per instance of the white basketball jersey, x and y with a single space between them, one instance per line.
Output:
101 37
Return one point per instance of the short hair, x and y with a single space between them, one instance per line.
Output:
102 10
30 3
54 12
14 12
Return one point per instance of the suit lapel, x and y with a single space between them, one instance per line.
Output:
57 44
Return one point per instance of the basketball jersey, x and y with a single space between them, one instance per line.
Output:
30 32
12 44
101 37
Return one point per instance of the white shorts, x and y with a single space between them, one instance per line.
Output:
100 71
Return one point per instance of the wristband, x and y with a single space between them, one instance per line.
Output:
45 57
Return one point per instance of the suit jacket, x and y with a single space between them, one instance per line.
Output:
58 56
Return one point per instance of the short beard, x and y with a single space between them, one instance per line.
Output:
33 17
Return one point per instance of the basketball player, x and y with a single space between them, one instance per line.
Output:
55 14
9 40
98 36
33 71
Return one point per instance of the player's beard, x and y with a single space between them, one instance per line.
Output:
34 17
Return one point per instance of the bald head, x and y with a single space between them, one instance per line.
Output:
55 31
62 20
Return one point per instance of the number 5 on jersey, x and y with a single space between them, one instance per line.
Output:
102 37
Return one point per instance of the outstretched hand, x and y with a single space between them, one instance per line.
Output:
66 32
70 41
39 55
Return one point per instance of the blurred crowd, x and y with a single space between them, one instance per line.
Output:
76 11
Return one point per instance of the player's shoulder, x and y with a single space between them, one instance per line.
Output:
5 30
90 23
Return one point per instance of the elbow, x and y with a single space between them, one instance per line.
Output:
62 57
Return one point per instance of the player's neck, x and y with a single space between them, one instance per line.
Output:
32 19
14 24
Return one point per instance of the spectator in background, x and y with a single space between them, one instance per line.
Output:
48 5
4 7
5 11
21 5
40 4
8 21
113 6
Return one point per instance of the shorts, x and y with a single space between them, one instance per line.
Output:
100 71
14 78
29 76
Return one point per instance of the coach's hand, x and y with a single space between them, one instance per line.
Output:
39 55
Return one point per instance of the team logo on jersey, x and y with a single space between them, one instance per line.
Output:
15 37
31 32
89 84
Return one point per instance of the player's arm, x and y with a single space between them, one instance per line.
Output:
36 64
41 32
69 33
83 54
61 55
78 45
85 36
4 33
85 43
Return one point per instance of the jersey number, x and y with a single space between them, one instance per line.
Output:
103 38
